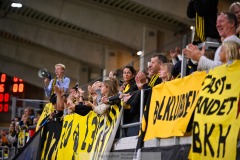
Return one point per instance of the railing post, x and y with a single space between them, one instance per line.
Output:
14 102
24 137
143 49
141 105
184 60
121 124
138 154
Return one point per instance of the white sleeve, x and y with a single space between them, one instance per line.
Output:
174 60
206 64
101 109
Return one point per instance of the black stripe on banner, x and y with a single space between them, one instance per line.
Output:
113 112
86 133
109 118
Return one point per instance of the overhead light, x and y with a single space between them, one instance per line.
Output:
139 53
192 27
16 5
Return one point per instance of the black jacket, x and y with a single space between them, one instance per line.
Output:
82 109
208 10
135 99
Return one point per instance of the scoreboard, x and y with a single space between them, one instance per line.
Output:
9 86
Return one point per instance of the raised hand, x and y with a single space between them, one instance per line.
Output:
57 90
192 52
111 74
140 79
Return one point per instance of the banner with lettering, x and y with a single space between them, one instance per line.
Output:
216 122
48 109
171 106
43 144
88 137
49 139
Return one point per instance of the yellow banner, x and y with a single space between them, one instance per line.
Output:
86 137
216 121
172 104
49 108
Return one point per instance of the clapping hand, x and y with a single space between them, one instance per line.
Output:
140 79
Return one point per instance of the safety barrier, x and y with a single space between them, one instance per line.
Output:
25 134
7 152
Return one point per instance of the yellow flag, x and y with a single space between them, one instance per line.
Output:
216 121
172 104
86 137
49 108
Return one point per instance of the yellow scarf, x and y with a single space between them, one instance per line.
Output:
125 106
153 80
199 33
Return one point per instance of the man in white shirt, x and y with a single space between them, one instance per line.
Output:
226 26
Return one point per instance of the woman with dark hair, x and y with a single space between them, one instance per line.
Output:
129 83
130 113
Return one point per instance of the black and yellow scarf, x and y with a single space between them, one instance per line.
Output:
153 80
199 32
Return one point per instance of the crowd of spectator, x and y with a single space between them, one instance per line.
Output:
125 92
101 95
20 131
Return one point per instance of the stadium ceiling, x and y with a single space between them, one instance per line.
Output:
126 8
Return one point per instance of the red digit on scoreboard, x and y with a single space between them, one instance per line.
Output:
1 107
6 97
2 88
21 87
5 107
15 88
1 97
3 78
15 79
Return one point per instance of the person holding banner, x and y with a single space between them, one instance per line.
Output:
129 87
154 68
141 80
226 26
76 103
229 52
215 128
166 72
109 88
142 83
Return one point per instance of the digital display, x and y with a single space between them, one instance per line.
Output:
9 86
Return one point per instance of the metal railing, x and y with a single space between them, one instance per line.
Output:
4 152
183 73
16 111
7 152
123 126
